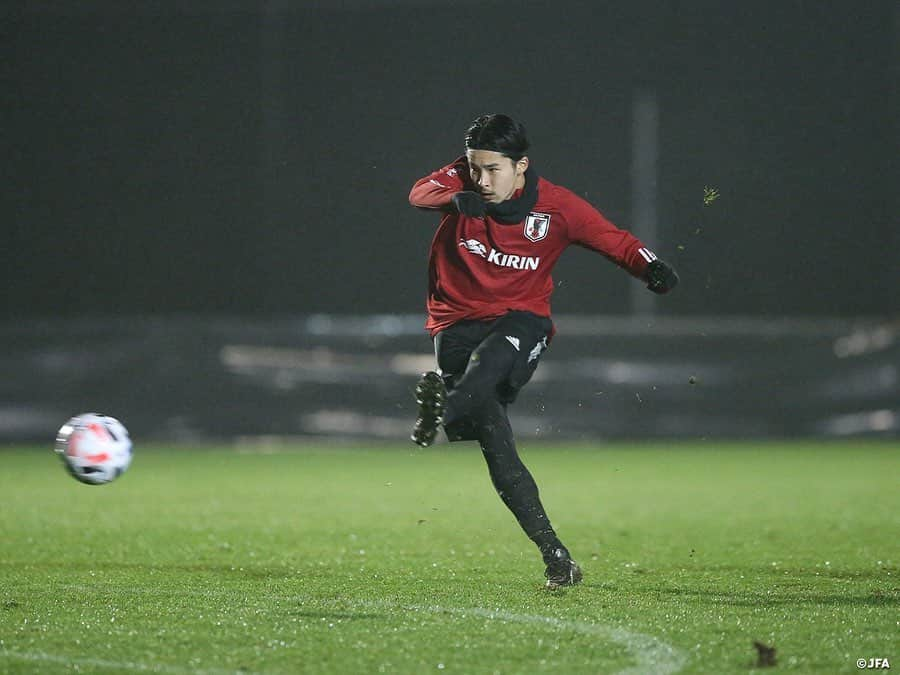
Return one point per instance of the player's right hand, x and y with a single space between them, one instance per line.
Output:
469 203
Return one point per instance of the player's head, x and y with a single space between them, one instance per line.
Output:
499 133
496 147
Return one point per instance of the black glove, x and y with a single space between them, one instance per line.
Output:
660 276
469 204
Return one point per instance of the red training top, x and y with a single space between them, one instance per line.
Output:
479 268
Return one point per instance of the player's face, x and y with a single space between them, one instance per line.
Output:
496 177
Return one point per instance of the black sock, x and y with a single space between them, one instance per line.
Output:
512 480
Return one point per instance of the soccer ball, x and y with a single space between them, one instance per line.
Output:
95 449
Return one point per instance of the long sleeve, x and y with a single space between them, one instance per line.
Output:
434 190
589 228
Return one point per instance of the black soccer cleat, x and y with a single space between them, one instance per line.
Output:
431 395
562 570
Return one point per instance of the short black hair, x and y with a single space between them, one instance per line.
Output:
499 133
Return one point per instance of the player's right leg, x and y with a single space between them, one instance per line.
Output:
453 348
485 359
431 398
489 364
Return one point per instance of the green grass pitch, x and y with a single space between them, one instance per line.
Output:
352 559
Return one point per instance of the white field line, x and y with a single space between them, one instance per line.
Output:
651 655
121 666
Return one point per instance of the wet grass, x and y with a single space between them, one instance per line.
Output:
387 558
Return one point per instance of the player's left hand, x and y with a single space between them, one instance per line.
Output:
661 277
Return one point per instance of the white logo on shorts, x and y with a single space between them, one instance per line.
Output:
538 348
514 341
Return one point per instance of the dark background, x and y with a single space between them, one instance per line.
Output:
255 158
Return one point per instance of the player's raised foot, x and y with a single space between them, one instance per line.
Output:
562 570
431 395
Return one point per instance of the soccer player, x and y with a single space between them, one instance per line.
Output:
502 229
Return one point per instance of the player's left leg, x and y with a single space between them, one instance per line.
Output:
516 487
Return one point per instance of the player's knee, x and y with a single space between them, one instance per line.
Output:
492 424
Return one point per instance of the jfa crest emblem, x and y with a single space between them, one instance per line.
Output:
537 225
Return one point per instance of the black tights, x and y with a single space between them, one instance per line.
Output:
474 409
511 477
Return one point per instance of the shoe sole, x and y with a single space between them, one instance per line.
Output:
430 396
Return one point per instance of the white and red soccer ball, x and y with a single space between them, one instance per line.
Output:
95 449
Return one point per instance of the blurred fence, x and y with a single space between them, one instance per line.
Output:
190 379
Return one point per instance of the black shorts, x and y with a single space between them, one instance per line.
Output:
528 333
